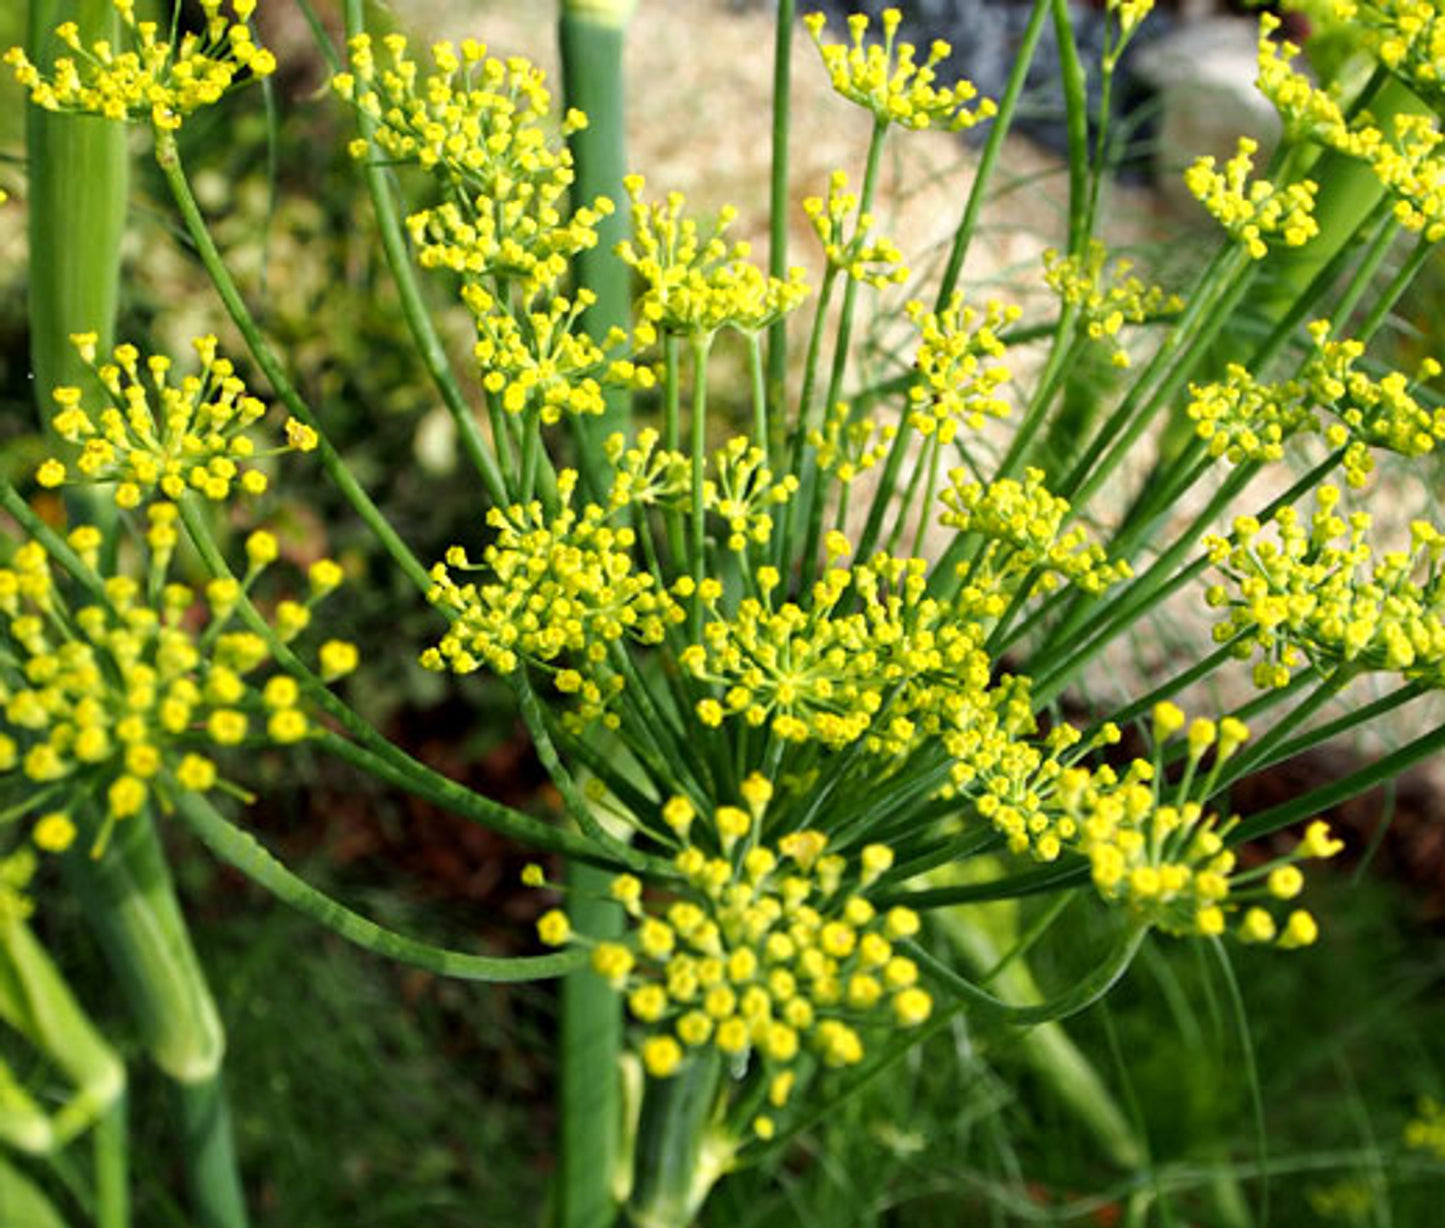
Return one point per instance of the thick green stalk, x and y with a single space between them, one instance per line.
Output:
591 1041
24 1202
36 1001
112 1168
592 35
77 209
679 1153
129 898
778 197
211 1169
130 902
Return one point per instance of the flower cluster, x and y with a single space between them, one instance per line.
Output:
159 438
503 243
872 658
845 447
481 126
1407 36
148 78
768 953
1166 863
562 590
696 284
541 360
743 490
888 81
1245 419
1024 525
1106 298
1405 155
956 384
1158 855
845 238
1319 591
124 699
1251 212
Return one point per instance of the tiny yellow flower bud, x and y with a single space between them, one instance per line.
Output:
337 658
1168 720
912 1007
54 832
554 929
661 1056
1299 931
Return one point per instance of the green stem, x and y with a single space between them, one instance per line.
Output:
1076 116
1077 998
993 147
591 1040
1386 768
240 850
168 157
811 481
376 754
217 1200
112 1169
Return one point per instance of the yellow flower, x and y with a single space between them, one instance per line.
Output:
553 928
143 77
54 832
888 81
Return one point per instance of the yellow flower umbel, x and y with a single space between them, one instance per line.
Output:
541 361
743 490
161 437
1319 591
888 81
561 594
696 283
1405 155
1023 523
1406 36
1106 298
482 126
1252 212
1244 419
122 701
844 234
957 384
147 78
769 954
